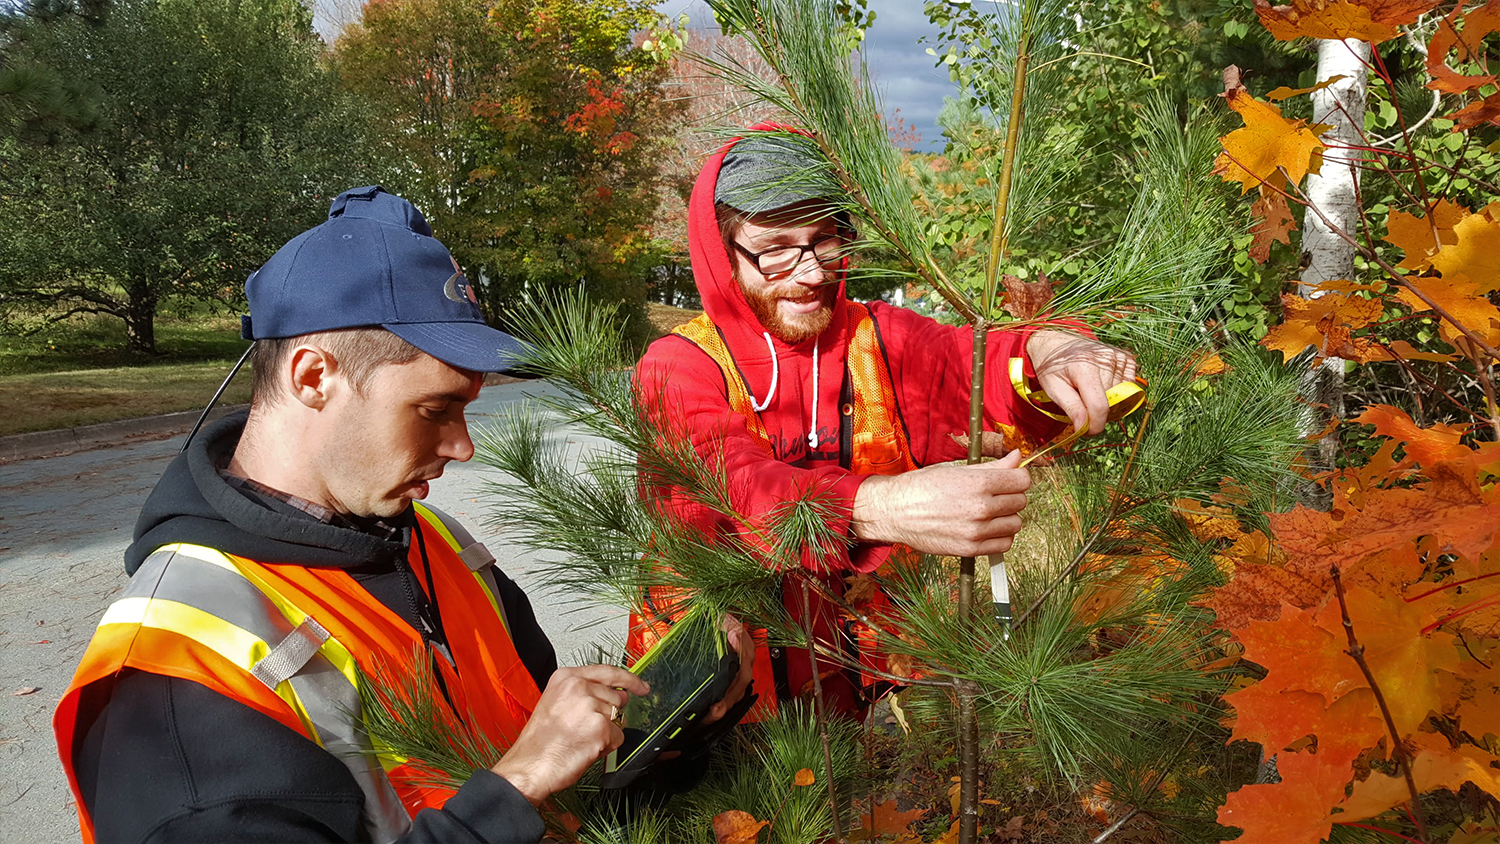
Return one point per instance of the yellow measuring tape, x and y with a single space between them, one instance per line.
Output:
1124 399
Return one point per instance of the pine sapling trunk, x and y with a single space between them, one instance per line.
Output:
820 715
966 692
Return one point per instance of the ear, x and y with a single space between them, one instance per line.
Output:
314 375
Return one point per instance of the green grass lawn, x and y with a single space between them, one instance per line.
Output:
79 373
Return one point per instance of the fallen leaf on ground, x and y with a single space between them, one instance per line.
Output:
25 690
736 827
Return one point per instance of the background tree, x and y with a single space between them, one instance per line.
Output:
532 132
219 137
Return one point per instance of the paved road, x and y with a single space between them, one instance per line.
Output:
65 521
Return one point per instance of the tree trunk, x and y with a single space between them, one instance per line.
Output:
140 319
1325 256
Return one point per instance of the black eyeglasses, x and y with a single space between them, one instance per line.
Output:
827 251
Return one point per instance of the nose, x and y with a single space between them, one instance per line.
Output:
810 271
456 444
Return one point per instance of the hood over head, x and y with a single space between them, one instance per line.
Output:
192 503
722 297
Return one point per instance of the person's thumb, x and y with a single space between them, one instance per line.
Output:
1009 461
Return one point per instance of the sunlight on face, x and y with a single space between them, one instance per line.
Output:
796 305
398 435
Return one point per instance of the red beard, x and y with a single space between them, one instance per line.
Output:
795 328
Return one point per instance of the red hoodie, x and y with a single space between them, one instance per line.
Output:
928 363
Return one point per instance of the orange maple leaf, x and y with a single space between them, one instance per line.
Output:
1461 299
1295 810
1420 237
1486 110
1476 25
1268 144
1273 222
737 827
1364 20
1423 446
1301 655
1275 718
886 819
1436 765
1324 322
1475 252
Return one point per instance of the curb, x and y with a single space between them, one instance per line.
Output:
19 447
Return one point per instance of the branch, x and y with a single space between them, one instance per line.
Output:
1398 750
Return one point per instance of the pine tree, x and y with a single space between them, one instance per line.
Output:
1108 673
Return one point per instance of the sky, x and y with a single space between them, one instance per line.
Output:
902 70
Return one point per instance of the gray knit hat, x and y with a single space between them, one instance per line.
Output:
769 172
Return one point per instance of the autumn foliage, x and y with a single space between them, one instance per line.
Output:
1376 622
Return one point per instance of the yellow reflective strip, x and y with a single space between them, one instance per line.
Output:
236 644
432 519
332 650
490 594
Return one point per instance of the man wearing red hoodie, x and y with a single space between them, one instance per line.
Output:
796 389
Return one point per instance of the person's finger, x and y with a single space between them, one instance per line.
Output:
1093 395
615 677
1010 504
1065 396
611 697
615 738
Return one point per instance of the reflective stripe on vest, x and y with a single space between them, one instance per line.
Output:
219 620
880 442
212 600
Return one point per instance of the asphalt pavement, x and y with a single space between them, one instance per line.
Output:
64 524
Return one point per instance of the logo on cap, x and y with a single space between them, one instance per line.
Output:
457 288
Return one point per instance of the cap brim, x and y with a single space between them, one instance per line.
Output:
467 345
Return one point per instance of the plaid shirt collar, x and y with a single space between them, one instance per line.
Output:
376 527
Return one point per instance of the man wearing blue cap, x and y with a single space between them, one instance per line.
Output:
283 560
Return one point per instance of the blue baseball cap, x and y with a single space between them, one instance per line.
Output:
374 262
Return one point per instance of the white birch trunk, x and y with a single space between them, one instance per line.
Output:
1334 191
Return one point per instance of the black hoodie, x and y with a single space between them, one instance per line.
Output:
169 760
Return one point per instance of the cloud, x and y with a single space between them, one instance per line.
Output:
904 74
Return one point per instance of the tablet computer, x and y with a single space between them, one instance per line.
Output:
689 670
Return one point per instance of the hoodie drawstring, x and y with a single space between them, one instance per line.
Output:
758 406
775 377
812 435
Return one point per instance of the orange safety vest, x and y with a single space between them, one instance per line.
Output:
284 640
872 441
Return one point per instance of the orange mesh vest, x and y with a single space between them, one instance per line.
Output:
284 640
872 441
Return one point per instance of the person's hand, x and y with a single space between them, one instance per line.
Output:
963 511
573 725
743 644
1076 372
